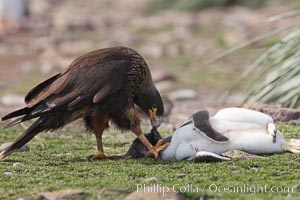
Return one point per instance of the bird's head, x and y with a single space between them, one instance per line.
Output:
152 105
154 117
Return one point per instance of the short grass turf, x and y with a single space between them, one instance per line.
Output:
59 161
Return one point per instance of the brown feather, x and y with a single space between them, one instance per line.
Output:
55 87
39 88
102 93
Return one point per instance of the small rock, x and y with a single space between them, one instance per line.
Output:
164 85
183 94
12 100
237 154
168 105
61 194
153 179
18 164
180 175
111 192
153 50
253 168
24 148
161 75
9 173
5 145
276 111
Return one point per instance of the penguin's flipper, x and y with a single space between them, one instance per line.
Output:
205 156
202 124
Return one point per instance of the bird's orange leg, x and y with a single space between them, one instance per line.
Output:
158 147
99 123
100 155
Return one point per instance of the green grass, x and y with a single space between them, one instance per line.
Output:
58 161
198 5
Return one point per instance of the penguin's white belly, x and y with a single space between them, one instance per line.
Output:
249 137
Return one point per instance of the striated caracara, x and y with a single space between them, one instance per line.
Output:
100 86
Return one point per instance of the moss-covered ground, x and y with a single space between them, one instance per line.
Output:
58 161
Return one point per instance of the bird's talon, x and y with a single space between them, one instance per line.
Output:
154 152
100 156
159 143
90 158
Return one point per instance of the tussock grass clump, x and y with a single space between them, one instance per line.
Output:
197 5
275 75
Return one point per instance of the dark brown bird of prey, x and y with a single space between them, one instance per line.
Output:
101 86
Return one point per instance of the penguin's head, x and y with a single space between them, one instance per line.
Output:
138 150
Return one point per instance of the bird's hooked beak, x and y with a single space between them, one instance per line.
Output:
155 121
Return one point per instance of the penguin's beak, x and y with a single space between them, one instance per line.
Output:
155 121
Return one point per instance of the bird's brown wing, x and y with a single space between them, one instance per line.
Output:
91 81
39 88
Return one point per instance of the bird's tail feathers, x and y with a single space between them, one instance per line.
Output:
16 113
25 137
23 114
13 122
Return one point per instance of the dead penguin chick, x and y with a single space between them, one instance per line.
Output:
246 130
